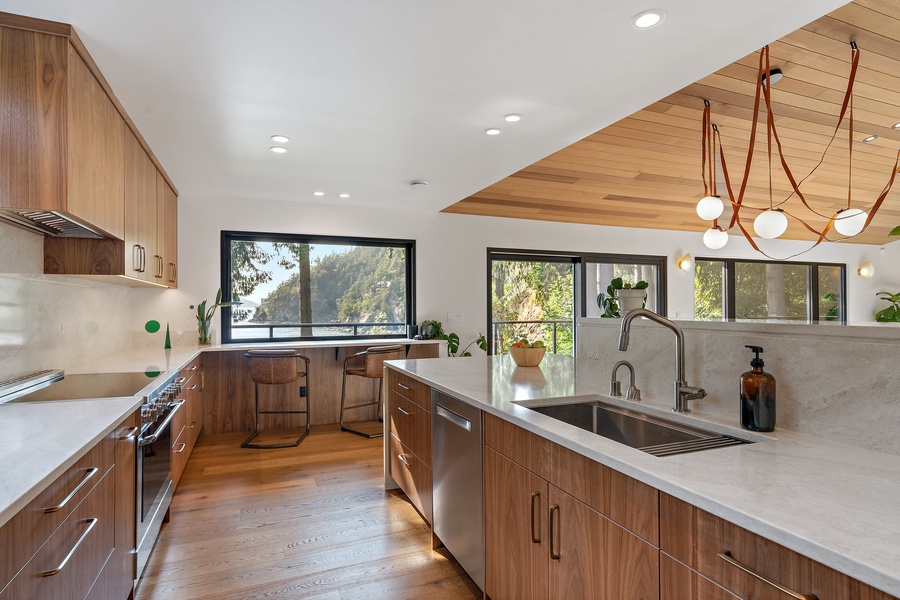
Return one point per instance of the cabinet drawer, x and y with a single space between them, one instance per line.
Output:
627 501
179 453
679 582
521 446
78 549
711 545
413 477
22 535
409 388
412 425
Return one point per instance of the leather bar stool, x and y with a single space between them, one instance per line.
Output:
368 363
278 367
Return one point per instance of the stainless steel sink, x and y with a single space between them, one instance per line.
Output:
653 435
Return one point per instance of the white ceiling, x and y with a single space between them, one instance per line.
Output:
374 93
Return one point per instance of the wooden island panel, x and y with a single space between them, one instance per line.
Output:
229 391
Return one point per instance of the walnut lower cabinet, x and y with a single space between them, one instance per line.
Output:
409 438
76 538
542 541
708 558
188 420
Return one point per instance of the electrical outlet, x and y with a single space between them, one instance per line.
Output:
454 317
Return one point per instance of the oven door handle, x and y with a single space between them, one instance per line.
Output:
176 406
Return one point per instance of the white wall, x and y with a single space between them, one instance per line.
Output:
53 322
451 254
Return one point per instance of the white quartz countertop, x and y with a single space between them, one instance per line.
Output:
40 440
835 503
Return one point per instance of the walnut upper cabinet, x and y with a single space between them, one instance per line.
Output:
73 165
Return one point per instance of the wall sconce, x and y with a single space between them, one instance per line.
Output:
685 263
866 270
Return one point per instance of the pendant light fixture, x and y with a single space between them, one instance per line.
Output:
773 221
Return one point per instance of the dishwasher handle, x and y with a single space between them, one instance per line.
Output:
454 418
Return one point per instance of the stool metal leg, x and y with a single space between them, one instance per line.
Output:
347 427
256 432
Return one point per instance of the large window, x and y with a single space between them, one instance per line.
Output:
774 291
295 287
537 294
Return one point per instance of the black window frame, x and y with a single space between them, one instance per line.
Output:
579 261
812 300
227 237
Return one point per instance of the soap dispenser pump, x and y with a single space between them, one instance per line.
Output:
757 396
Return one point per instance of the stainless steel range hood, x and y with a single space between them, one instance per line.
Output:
50 222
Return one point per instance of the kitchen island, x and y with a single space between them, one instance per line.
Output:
834 503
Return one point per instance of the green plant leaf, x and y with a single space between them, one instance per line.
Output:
641 285
616 284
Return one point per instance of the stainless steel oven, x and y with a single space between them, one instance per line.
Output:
154 466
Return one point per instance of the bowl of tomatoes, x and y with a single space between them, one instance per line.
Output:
527 354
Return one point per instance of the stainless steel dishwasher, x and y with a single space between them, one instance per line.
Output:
456 470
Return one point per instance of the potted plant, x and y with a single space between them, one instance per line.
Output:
205 316
435 330
891 314
622 297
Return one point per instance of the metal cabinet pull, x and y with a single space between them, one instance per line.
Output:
202 381
136 258
194 368
400 408
180 449
90 473
401 386
534 538
143 260
173 270
193 424
403 459
132 433
554 555
62 565
727 557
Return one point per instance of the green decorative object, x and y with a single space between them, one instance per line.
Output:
149 372
895 230
168 345
205 316
151 326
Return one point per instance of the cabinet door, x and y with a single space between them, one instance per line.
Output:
167 234
96 163
123 573
594 558
140 212
516 530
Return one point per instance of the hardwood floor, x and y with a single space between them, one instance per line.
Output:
307 522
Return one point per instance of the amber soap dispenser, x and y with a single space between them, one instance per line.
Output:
757 396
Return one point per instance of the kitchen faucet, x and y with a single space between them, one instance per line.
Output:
683 392
615 388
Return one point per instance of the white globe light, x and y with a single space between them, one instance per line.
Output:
715 238
770 224
850 221
710 208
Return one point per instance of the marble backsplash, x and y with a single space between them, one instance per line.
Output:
838 382
50 321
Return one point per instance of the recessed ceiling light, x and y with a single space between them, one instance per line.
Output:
512 118
895 126
318 193
278 149
493 131
871 138
418 183
280 139
344 195
648 19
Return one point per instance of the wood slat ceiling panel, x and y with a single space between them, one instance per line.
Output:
644 171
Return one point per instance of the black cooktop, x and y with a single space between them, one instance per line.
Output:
92 385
